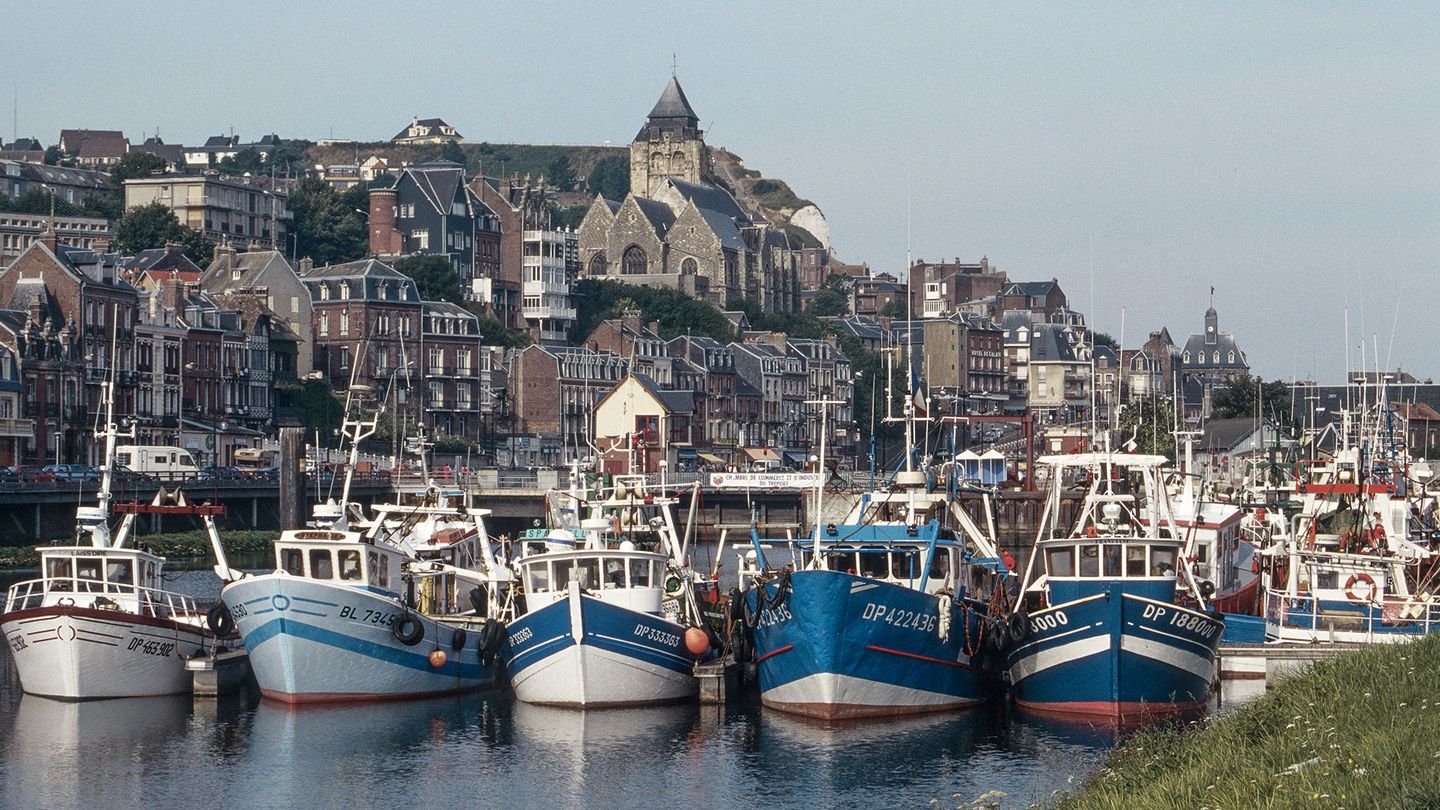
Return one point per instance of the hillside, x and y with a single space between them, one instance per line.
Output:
772 196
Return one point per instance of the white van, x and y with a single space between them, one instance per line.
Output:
165 463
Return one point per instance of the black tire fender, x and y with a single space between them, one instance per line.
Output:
219 620
408 629
1018 626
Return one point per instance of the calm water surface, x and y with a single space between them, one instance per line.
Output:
487 750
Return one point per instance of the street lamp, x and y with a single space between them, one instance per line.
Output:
58 436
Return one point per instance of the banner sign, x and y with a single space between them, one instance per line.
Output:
761 480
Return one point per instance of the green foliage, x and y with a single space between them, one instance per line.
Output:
776 194
830 302
452 152
153 225
289 157
328 228
603 299
494 333
895 308
610 178
568 217
763 187
453 445
800 237
53 155
1102 339
246 161
1356 730
138 164
108 206
1246 396
383 180
1151 423
35 200
560 173
436 278
319 409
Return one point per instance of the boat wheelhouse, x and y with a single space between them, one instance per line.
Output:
1112 622
344 613
609 615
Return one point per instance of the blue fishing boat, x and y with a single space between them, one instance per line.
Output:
887 612
1112 622
609 615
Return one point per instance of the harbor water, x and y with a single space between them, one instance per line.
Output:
487 750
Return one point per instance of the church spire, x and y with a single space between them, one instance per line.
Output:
673 110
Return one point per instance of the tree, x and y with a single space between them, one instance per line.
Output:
53 155
436 278
561 173
328 228
1151 424
320 411
895 308
246 161
610 177
1246 396
138 164
494 333
830 302
153 225
452 152
1102 339
569 217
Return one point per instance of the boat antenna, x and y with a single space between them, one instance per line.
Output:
824 406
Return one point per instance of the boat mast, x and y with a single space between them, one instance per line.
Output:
824 406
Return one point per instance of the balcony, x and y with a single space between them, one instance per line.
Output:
17 428
541 313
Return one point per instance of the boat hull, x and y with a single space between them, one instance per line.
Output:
581 651
836 645
80 653
1117 656
315 642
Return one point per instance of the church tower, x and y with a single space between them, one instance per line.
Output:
669 145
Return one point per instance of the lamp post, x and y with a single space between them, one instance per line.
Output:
58 436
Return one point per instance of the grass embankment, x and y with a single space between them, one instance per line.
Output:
174 546
1357 731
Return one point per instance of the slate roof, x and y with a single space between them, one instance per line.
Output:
1225 434
355 269
708 197
658 213
1048 344
673 106
724 228
429 125
161 259
95 143
437 181
1030 288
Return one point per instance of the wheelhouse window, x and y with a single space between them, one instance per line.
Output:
1327 580
1089 561
88 572
1060 562
1112 560
904 565
292 562
320 564
120 572
640 574
940 563
537 577
1134 561
349 560
1162 562
874 564
614 574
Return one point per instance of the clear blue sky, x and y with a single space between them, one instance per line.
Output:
1287 154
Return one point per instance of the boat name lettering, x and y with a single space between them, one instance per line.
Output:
162 648
1185 621
17 642
520 636
237 610
924 621
769 617
1049 621
657 635
383 618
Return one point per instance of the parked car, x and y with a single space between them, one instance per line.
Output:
34 474
221 474
127 477
73 472
8 476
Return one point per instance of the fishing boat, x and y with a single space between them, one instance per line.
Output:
97 623
1359 562
609 615
1113 623
889 611
1223 536
408 607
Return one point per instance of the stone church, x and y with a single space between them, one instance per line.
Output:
674 229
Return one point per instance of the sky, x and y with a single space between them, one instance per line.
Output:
1287 155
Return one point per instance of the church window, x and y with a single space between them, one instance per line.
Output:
597 264
688 267
657 162
633 263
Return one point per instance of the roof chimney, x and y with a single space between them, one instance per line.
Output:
50 239
306 265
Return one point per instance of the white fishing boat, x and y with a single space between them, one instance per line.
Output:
609 615
1356 565
408 607
97 623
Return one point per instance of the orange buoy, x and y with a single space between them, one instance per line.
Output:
438 658
696 641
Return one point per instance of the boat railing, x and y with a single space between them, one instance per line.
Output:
1391 616
102 595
